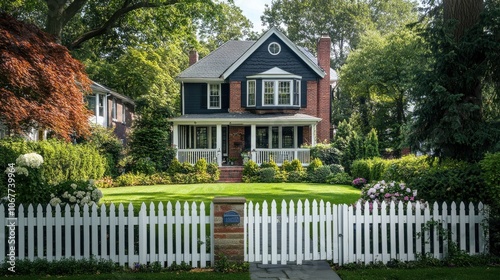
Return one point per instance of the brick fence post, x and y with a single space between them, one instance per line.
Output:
228 231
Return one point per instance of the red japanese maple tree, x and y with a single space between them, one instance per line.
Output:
41 85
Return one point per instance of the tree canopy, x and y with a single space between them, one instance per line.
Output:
41 85
455 113
344 20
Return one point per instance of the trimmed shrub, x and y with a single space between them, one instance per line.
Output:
490 170
327 153
213 171
251 172
453 181
144 166
361 169
270 164
336 168
341 178
296 176
320 174
406 168
315 163
296 165
266 175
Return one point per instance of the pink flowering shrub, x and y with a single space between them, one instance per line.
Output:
388 192
359 183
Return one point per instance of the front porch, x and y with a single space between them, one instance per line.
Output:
232 140
258 155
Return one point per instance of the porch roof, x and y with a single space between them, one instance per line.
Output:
245 118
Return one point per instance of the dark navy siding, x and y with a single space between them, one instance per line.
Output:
261 60
195 99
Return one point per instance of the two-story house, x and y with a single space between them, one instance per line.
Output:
111 109
261 100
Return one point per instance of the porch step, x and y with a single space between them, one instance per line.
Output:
230 174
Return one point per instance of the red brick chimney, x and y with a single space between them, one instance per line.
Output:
324 102
193 57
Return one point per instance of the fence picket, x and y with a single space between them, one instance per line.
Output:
153 221
250 222
121 235
112 232
315 221
48 227
401 227
366 231
203 236
186 223
161 233
444 223
322 229
284 235
31 232
20 230
194 235
300 232
329 236
383 227
291 231
307 234
410 221
265 234
257 233
131 236
472 229
274 233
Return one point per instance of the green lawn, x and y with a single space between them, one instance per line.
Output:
256 192
444 273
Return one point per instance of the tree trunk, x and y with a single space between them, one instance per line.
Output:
54 23
465 12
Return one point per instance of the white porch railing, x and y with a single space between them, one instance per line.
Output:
193 155
280 155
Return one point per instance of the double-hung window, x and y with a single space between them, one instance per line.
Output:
214 96
251 93
278 93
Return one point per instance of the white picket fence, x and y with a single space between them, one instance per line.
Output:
348 234
163 235
302 231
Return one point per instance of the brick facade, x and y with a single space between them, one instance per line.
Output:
235 97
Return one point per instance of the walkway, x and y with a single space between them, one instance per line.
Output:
317 270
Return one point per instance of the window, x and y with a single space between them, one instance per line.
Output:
101 105
280 93
214 96
251 93
91 103
262 137
113 109
296 94
287 137
274 48
124 113
201 138
284 91
268 92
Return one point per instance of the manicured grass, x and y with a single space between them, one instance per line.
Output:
256 192
140 276
444 273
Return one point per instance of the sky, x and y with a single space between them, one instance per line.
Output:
253 9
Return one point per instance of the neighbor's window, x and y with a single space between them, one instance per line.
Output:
113 109
251 93
214 96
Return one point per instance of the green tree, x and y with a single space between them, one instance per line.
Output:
371 145
379 77
464 39
344 20
150 138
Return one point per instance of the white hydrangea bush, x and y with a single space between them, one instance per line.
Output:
32 160
73 193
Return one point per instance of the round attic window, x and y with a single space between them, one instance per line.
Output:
274 48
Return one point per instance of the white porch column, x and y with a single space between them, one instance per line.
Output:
295 141
253 142
175 139
219 144
313 135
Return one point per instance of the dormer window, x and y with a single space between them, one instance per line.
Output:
214 96
274 48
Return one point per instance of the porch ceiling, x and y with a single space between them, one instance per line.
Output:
245 119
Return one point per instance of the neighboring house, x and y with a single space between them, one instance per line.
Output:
261 100
111 110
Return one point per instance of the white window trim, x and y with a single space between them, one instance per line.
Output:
124 113
114 109
272 44
276 95
255 93
208 96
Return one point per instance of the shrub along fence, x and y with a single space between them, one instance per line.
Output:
299 231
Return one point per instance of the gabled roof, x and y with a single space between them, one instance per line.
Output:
213 65
98 88
222 62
